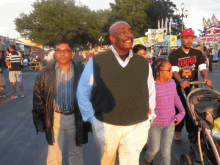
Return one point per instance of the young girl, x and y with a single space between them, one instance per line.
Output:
162 129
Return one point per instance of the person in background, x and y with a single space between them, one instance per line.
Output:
162 129
140 50
154 55
34 59
159 52
218 57
205 54
2 79
50 56
14 63
29 60
78 57
215 51
93 53
210 56
198 47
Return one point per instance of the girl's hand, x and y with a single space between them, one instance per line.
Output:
176 121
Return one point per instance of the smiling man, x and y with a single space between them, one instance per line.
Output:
116 93
186 62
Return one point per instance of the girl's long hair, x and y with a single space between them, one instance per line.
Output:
156 66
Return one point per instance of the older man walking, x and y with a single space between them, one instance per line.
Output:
55 109
116 93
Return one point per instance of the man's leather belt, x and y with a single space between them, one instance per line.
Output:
66 113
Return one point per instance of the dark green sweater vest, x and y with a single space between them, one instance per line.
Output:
120 95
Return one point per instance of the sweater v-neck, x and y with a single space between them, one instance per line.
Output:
124 57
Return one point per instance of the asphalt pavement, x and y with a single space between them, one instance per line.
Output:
20 145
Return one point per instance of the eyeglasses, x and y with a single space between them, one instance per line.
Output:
65 51
170 70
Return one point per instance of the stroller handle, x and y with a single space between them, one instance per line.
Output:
199 83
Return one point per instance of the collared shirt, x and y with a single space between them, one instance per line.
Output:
64 95
87 80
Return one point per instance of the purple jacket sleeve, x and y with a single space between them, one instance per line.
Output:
179 105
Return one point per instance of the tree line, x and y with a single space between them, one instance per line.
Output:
54 19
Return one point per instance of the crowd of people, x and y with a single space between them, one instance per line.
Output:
119 96
126 102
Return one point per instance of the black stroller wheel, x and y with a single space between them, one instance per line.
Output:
185 160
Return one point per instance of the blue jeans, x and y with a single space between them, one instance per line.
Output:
160 137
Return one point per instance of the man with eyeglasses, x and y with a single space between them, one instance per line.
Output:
55 109
186 63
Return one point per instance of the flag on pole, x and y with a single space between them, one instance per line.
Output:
205 23
162 24
166 28
158 24
171 22
209 22
215 21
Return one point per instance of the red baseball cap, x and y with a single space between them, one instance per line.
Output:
188 32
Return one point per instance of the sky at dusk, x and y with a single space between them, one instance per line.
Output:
198 9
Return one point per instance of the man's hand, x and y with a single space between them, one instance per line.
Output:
207 82
184 84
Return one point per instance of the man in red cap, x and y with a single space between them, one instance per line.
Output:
186 62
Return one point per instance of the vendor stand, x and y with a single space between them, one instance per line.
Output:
212 35
158 41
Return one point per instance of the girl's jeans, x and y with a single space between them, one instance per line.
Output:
160 137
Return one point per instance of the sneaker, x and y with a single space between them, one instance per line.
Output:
177 137
22 95
14 97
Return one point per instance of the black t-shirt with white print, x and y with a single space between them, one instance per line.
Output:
188 63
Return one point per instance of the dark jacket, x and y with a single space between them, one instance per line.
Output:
44 90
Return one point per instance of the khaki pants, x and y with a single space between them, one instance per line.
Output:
127 141
64 124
